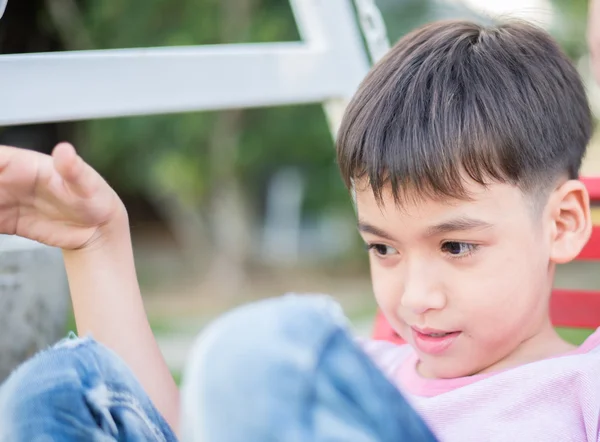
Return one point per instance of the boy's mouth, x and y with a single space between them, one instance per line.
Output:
433 341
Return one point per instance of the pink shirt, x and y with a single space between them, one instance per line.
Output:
555 399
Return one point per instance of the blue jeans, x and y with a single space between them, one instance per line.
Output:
284 369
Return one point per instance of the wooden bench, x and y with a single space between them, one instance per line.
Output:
572 308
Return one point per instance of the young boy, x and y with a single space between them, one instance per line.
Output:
461 149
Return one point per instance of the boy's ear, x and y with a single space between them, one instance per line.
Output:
571 221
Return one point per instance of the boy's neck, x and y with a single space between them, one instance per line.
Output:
545 344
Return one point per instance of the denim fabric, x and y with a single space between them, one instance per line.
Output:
77 391
284 369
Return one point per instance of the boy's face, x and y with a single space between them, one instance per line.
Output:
477 270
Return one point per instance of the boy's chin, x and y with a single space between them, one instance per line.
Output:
445 367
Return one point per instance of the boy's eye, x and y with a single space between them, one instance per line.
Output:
456 248
382 249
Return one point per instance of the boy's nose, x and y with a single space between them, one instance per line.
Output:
421 293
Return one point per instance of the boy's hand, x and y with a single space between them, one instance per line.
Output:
58 200
61 201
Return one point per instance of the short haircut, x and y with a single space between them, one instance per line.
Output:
455 100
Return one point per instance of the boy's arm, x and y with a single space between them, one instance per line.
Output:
61 201
108 305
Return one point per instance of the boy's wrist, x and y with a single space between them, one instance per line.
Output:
114 232
117 227
105 262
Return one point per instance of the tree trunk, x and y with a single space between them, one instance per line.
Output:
68 22
230 224
230 229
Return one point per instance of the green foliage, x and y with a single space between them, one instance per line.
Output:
575 336
295 136
146 23
569 26
139 152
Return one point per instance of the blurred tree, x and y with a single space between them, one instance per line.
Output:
569 26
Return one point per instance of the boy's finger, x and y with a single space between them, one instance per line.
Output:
78 175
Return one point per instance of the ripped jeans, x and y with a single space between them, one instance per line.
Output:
284 369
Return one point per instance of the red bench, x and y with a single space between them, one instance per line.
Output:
568 308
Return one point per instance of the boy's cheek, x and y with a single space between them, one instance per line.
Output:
387 290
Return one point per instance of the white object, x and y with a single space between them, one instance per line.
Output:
325 67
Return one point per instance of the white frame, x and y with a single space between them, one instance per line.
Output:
325 67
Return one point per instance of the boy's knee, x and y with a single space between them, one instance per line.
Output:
256 343
257 357
292 327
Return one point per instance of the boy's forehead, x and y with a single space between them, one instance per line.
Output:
495 198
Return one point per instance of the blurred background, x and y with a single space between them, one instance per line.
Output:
227 207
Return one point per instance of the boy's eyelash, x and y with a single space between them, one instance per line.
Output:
472 249
369 247
374 246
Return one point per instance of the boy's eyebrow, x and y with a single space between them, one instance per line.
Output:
368 228
453 225
456 225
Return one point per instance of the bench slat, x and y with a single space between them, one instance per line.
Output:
575 308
